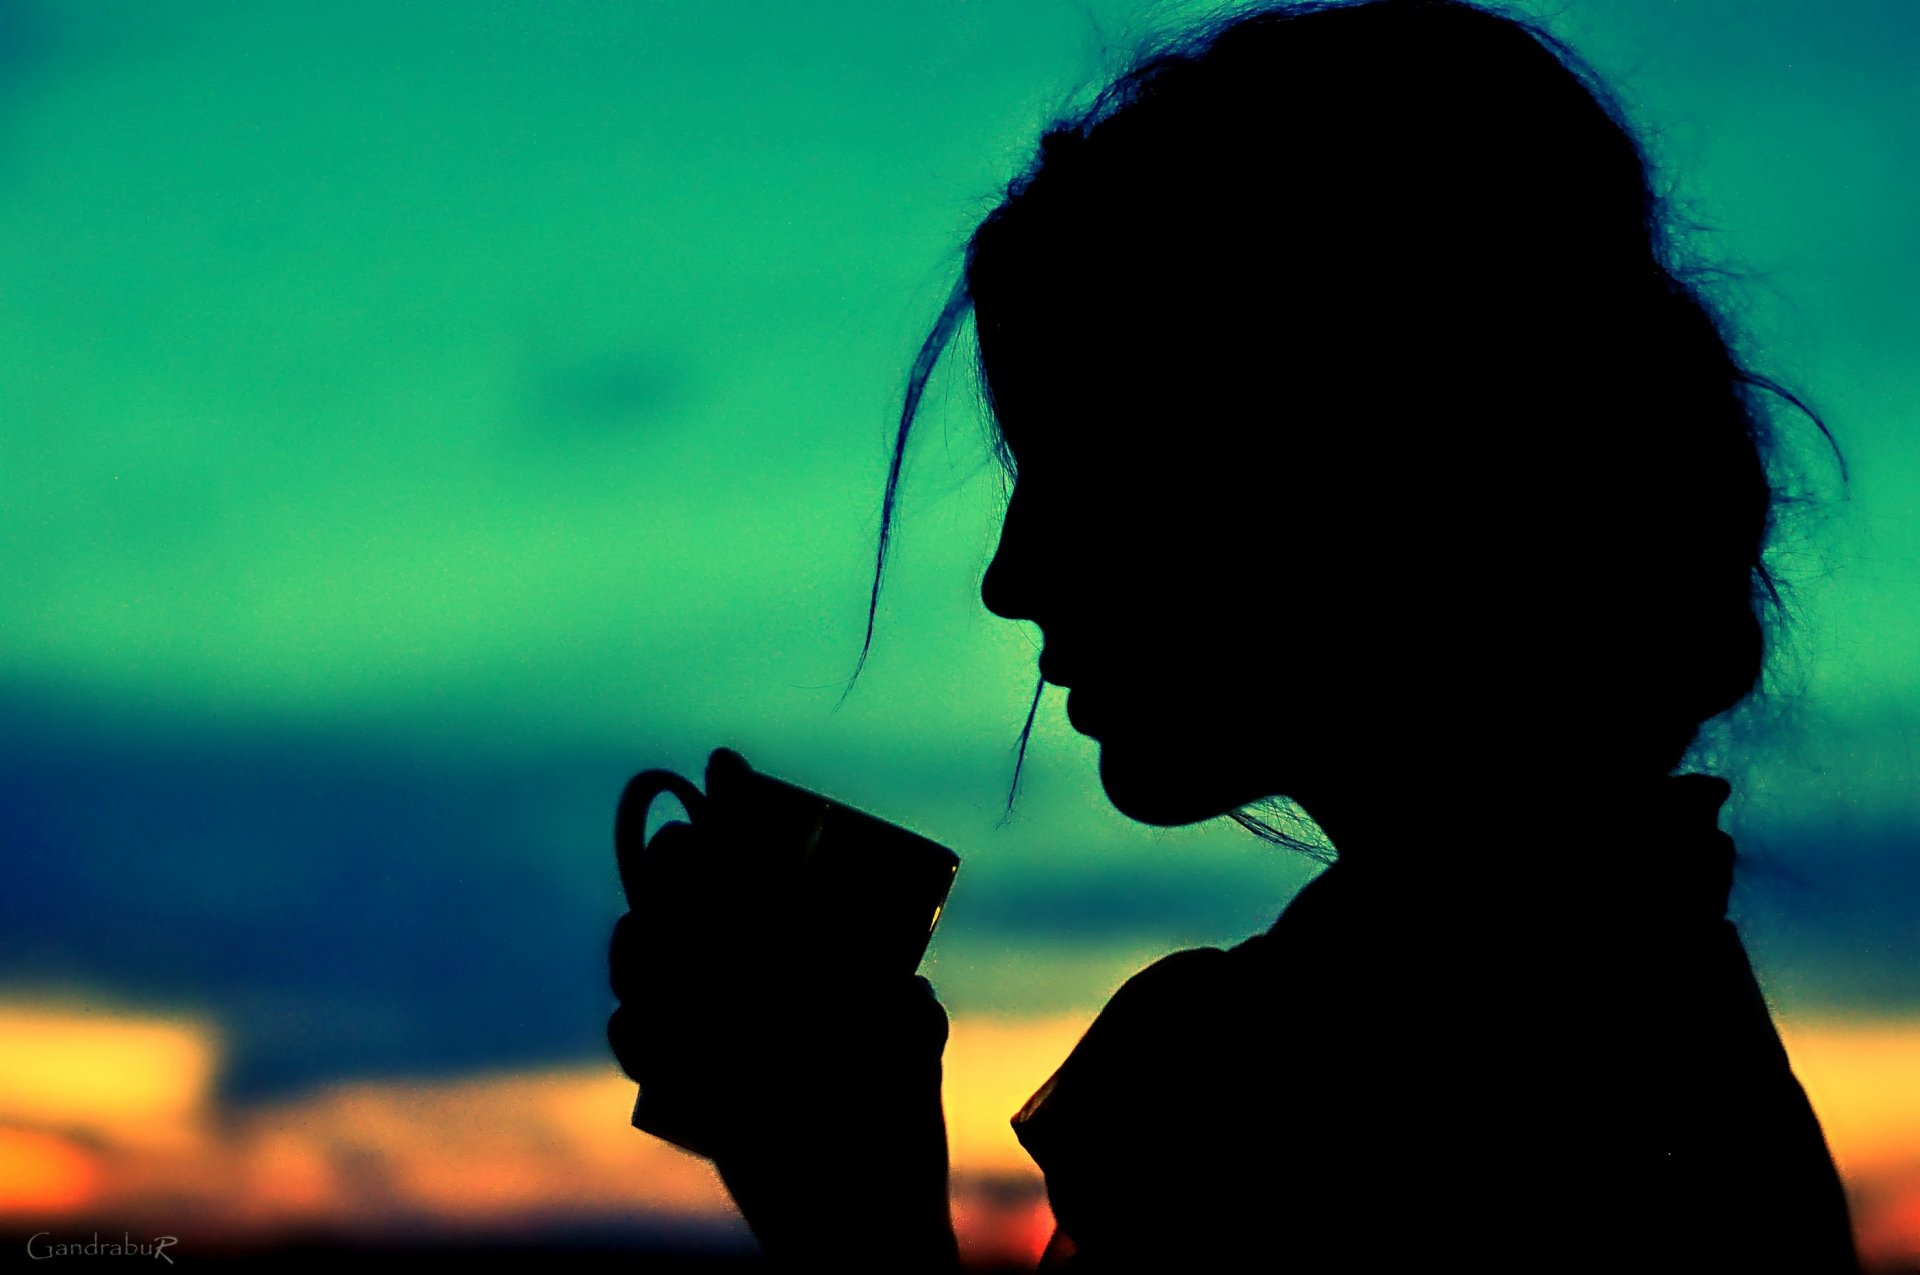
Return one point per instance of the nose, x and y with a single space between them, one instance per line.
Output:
1007 588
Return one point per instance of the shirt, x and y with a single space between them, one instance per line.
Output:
1419 1063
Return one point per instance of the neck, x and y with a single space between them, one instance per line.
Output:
1493 817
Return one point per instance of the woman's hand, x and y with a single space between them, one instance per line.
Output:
814 1089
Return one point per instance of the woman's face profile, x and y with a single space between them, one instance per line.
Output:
1176 596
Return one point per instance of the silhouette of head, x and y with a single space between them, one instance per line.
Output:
1362 425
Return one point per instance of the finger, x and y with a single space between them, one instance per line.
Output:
626 1039
685 925
666 965
691 983
870 1028
686 869
659 1047
660 866
930 1015
627 958
690 895
922 1019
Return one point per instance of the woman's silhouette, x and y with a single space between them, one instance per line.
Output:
1371 448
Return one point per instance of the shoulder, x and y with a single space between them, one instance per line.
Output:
1157 1012
1124 1128
1174 977
1160 1040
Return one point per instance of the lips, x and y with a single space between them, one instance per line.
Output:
1084 720
1055 672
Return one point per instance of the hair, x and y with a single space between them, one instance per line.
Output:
1494 217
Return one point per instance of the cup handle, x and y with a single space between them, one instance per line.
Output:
630 818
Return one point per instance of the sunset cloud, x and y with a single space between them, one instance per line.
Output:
491 1154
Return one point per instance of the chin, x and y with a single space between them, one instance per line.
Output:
1160 791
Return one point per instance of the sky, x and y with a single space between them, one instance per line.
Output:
418 418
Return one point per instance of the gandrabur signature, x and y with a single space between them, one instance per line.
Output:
126 1246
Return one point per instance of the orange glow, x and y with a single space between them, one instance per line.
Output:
992 1067
1863 1078
121 1077
1001 1221
115 1114
1864 1081
43 1174
1888 1227
481 1148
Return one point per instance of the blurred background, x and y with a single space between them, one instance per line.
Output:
414 419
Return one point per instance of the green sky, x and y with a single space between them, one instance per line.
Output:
485 384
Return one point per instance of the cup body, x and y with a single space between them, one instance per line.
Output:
866 893
860 895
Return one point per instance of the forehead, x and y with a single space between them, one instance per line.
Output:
1120 404
1076 416
1054 367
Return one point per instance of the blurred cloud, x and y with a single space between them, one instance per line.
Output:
496 1153
492 1153
352 905
606 395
